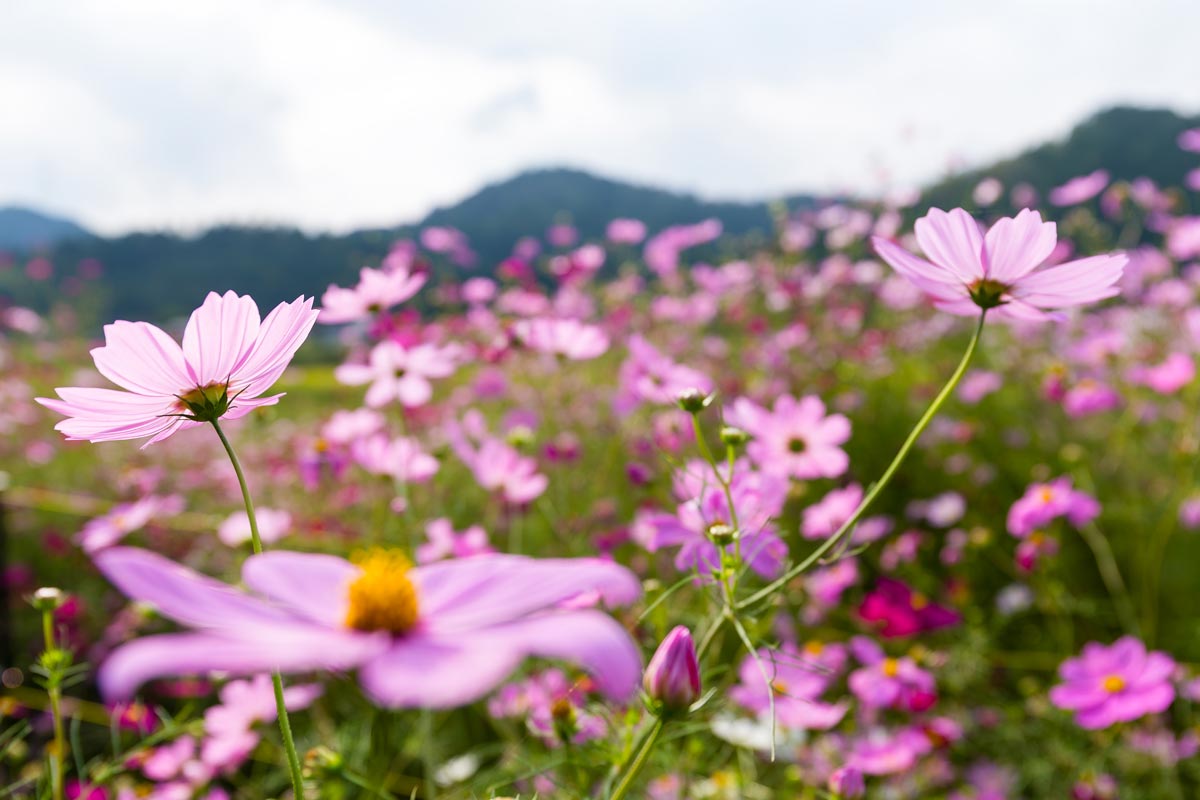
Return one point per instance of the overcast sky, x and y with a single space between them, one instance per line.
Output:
332 115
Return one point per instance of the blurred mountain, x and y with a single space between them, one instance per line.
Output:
157 276
23 229
1128 142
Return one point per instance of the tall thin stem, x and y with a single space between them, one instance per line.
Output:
285 725
55 693
884 480
638 762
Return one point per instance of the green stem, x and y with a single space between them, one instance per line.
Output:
55 694
1110 573
884 480
638 762
285 725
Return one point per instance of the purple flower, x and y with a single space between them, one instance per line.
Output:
672 677
904 612
797 679
795 438
1080 189
1045 502
847 782
1118 683
434 636
885 682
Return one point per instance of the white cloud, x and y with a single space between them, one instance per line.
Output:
134 113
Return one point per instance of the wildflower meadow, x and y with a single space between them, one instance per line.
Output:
898 502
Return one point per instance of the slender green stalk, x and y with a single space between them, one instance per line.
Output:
638 762
1110 573
54 691
883 481
285 725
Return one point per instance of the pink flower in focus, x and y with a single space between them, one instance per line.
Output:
401 373
1080 189
445 542
968 270
433 636
796 438
904 612
376 291
568 338
228 359
1044 502
1118 683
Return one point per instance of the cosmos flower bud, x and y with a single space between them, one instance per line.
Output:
673 675
48 599
847 782
693 401
733 437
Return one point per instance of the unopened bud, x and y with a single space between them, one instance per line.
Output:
693 401
673 675
48 598
733 437
847 782
721 534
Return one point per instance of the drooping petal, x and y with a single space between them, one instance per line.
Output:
219 336
313 584
1074 283
1016 246
953 241
475 593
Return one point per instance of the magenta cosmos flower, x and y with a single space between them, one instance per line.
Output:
228 359
432 636
1119 683
968 270
904 612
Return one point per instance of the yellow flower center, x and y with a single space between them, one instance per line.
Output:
383 598
891 667
1046 495
779 686
1113 684
919 600
814 648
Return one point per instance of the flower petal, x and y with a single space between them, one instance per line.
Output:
952 241
1016 246
142 358
219 336
313 584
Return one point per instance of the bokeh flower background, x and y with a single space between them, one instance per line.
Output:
867 470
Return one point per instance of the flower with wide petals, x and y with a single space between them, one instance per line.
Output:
228 359
968 270
434 636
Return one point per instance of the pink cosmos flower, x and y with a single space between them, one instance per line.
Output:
648 375
1118 683
1045 502
968 270
273 525
229 726
1169 377
401 459
377 291
401 373
1089 396
882 752
885 682
498 466
795 438
1190 140
904 612
228 359
797 682
445 542
568 338
626 231
125 518
978 384
434 636
1079 189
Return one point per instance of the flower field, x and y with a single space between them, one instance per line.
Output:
901 503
